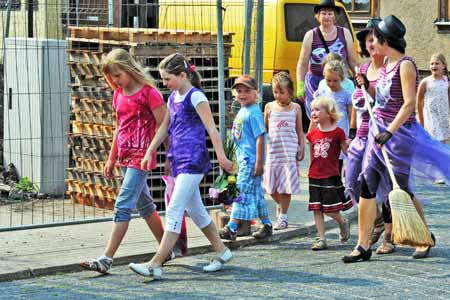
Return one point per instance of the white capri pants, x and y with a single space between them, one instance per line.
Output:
186 197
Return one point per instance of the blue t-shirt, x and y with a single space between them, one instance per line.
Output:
247 127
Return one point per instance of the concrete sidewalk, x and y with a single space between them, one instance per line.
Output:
37 252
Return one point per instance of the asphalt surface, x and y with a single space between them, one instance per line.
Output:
274 270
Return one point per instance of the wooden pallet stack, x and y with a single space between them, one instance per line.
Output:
93 120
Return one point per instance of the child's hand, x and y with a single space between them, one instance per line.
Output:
146 162
259 170
226 164
300 154
108 168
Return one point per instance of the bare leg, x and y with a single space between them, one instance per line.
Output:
211 234
276 198
155 224
118 232
337 217
284 200
320 225
167 243
367 211
388 229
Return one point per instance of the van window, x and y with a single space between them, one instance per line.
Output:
299 18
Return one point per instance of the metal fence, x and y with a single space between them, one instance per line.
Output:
56 117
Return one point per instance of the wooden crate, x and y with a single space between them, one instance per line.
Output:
93 120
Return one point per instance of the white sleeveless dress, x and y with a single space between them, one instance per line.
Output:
435 108
280 169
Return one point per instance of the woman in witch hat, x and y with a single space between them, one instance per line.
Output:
401 136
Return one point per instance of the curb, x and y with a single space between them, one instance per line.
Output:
303 231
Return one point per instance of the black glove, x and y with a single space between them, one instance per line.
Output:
383 137
352 133
366 82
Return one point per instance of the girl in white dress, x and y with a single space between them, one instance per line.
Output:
285 146
433 100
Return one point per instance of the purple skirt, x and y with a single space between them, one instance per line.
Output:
409 147
353 167
311 85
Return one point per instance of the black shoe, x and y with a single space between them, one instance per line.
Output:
425 253
363 255
263 232
227 234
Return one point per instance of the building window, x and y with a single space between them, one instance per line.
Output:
362 8
15 4
443 19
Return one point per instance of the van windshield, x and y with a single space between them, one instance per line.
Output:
299 18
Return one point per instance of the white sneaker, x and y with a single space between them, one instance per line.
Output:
217 263
146 270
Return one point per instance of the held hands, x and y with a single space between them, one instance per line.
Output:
226 164
109 167
383 137
146 161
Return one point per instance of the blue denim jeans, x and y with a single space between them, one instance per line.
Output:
134 195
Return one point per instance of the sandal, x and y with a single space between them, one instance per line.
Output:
377 230
344 234
386 247
319 245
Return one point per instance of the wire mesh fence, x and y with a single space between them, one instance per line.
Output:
57 119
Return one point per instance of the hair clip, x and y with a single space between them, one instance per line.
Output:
192 68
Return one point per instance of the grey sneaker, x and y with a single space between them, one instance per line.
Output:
263 232
102 264
227 234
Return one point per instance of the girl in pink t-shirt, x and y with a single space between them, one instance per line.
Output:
139 111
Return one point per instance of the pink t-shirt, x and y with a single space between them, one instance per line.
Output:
136 124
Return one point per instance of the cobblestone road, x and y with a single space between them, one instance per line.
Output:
285 270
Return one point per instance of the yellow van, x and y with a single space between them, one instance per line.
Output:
285 25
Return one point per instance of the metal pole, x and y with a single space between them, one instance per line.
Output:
259 45
67 16
110 12
247 35
8 18
89 221
30 12
77 12
220 56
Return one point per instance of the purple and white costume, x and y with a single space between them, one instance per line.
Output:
318 54
409 146
189 160
357 148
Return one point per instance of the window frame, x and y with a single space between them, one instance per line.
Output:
16 5
443 18
374 10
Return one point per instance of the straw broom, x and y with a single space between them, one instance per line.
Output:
408 227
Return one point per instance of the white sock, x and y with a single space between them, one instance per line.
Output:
283 216
104 256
